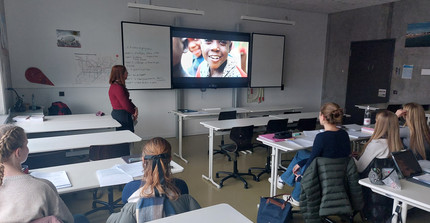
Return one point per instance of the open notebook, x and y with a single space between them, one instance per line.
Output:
59 178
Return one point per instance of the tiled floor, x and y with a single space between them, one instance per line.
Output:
196 152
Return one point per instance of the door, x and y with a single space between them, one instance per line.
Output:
370 68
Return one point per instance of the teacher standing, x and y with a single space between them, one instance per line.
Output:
124 111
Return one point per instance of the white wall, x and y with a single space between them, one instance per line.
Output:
303 69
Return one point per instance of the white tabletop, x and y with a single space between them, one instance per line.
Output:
228 124
275 108
57 143
83 176
69 123
373 107
208 112
294 117
212 214
412 193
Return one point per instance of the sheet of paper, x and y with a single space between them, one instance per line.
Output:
355 134
132 169
425 165
353 127
59 178
312 133
407 71
112 176
423 178
304 142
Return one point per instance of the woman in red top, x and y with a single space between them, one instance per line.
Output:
124 111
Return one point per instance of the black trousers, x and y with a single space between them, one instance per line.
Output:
124 118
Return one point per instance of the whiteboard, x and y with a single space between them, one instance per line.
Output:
267 62
146 55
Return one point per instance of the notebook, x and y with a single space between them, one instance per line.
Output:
410 169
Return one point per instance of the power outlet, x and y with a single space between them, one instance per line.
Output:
61 93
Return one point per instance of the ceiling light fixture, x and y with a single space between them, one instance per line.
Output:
258 19
165 9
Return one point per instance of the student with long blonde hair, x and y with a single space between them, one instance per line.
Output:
415 134
24 198
144 205
384 140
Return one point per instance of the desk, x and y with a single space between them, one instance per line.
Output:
83 176
373 107
68 142
411 194
294 117
60 123
226 125
215 112
285 146
212 214
195 115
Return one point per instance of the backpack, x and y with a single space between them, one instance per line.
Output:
59 108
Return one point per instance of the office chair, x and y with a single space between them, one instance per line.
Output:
276 125
305 124
132 186
242 138
225 116
394 107
99 152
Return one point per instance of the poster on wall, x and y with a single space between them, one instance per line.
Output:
68 38
418 35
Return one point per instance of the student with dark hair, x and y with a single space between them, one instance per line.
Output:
415 134
158 197
124 111
24 198
332 143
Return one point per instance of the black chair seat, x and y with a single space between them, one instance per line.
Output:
242 138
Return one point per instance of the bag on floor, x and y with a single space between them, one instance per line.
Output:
273 210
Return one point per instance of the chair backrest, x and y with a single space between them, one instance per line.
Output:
99 152
306 124
292 112
394 107
277 125
242 137
227 115
132 186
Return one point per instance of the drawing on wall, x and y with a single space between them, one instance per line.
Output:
35 75
418 35
93 69
68 38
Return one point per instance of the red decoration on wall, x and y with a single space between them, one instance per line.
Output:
35 75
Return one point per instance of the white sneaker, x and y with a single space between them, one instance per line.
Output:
290 199
279 182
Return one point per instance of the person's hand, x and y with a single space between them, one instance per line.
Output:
400 113
298 177
355 154
296 168
136 113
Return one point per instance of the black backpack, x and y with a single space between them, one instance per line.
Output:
59 108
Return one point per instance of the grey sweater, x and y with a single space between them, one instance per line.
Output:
24 198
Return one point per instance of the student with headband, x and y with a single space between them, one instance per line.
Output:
158 196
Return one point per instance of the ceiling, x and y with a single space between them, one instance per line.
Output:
321 6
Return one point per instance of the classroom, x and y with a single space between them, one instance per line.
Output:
317 67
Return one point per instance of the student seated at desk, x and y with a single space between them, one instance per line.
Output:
384 140
24 198
415 134
158 197
332 143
